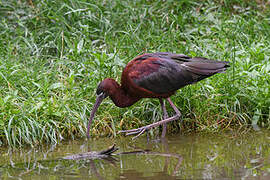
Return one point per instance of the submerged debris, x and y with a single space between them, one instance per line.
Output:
94 154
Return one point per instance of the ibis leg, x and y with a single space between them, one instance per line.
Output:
141 130
165 116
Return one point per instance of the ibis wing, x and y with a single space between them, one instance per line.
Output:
165 73
164 77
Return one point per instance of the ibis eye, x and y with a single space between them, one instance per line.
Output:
100 93
100 88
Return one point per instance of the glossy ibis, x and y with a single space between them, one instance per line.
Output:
156 75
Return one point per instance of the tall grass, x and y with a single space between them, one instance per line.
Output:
54 53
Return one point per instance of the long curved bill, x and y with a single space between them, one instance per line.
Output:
99 99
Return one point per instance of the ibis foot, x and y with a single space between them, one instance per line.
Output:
141 130
138 131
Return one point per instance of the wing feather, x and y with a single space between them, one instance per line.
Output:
164 73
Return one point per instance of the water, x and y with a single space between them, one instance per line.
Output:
198 156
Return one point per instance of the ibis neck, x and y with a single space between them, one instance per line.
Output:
120 97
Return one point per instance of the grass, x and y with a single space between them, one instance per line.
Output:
53 54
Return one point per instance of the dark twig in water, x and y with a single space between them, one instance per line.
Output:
109 151
94 154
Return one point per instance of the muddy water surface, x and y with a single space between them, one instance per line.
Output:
203 156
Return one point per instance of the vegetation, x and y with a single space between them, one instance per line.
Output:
54 53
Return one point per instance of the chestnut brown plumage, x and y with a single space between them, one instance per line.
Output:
155 75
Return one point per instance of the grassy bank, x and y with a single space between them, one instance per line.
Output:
53 54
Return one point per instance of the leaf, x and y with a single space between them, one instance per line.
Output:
56 85
39 105
256 117
80 45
